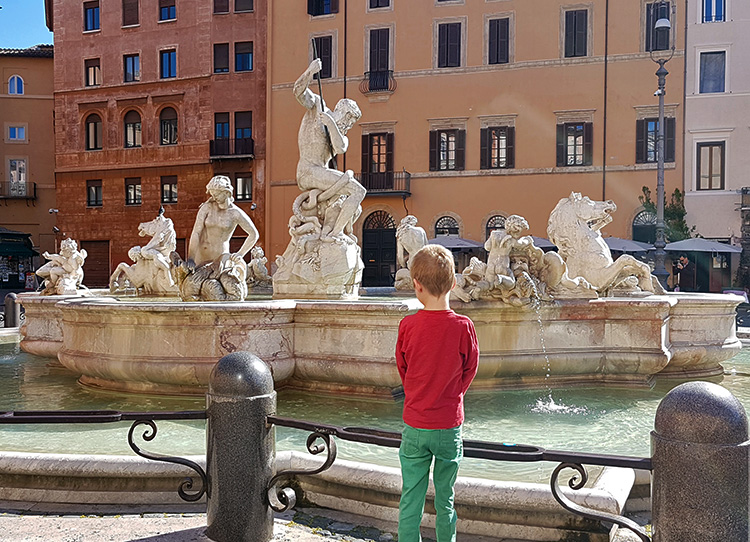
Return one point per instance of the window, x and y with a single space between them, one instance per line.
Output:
93 72
447 149
94 193
17 171
497 147
646 137
657 40
169 189
322 7
131 68
446 225
129 12
713 11
221 6
379 59
324 48
91 15
133 191
377 161
243 56
710 166
375 4
499 41
496 222
244 186
221 125
644 227
168 126
132 129
243 5
94 132
168 64
221 57
712 72
167 10
575 142
576 33
15 85
17 133
243 125
449 45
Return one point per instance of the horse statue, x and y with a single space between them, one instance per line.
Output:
575 227
150 273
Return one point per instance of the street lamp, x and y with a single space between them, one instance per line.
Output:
661 28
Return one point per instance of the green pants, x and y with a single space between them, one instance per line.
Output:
418 447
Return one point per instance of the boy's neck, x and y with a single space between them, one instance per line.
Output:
436 303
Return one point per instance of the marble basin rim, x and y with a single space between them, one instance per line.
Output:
164 346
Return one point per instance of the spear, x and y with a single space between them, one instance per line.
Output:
322 108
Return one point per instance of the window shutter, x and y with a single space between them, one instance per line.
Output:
454 44
504 41
640 141
311 7
510 151
389 152
129 12
484 148
560 145
221 6
570 21
433 150
588 143
365 158
492 58
581 32
669 141
221 57
442 45
649 30
334 6
460 149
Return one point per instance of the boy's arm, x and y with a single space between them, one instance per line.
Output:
400 359
471 359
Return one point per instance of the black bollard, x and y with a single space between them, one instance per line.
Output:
699 447
12 311
241 449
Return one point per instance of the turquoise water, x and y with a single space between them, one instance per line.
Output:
597 420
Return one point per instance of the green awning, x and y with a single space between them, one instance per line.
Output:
16 249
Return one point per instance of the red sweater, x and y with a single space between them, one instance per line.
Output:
437 357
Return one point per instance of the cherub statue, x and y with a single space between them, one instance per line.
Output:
63 274
257 271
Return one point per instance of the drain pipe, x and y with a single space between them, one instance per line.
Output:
606 81
346 43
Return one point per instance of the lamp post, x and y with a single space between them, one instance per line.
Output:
661 27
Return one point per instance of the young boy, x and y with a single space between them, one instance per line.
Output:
437 357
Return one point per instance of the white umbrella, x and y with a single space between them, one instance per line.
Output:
698 244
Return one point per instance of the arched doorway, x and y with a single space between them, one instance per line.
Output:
379 249
644 227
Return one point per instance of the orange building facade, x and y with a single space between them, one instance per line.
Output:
152 99
473 111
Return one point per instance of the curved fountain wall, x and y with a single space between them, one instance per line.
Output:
169 347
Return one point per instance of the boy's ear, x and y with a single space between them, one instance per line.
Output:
417 286
454 282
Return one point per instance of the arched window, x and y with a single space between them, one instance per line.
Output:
93 132
496 222
15 85
446 225
168 126
379 220
132 129
644 227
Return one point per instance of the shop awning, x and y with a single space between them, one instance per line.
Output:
698 244
455 243
16 249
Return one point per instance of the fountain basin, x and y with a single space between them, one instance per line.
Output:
169 347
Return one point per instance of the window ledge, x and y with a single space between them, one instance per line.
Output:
166 20
131 25
94 31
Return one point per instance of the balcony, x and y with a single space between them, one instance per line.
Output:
380 81
12 190
388 183
232 148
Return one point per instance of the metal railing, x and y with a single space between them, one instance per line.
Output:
386 183
235 148
13 190
378 81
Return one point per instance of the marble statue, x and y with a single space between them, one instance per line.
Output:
409 239
575 227
257 269
322 258
150 272
63 273
517 272
220 280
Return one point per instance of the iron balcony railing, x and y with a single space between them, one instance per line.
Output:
13 190
378 81
233 148
386 183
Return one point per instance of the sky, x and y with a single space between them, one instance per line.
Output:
22 24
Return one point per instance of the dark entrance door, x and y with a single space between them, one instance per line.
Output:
379 249
96 268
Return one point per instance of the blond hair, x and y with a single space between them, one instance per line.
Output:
433 267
